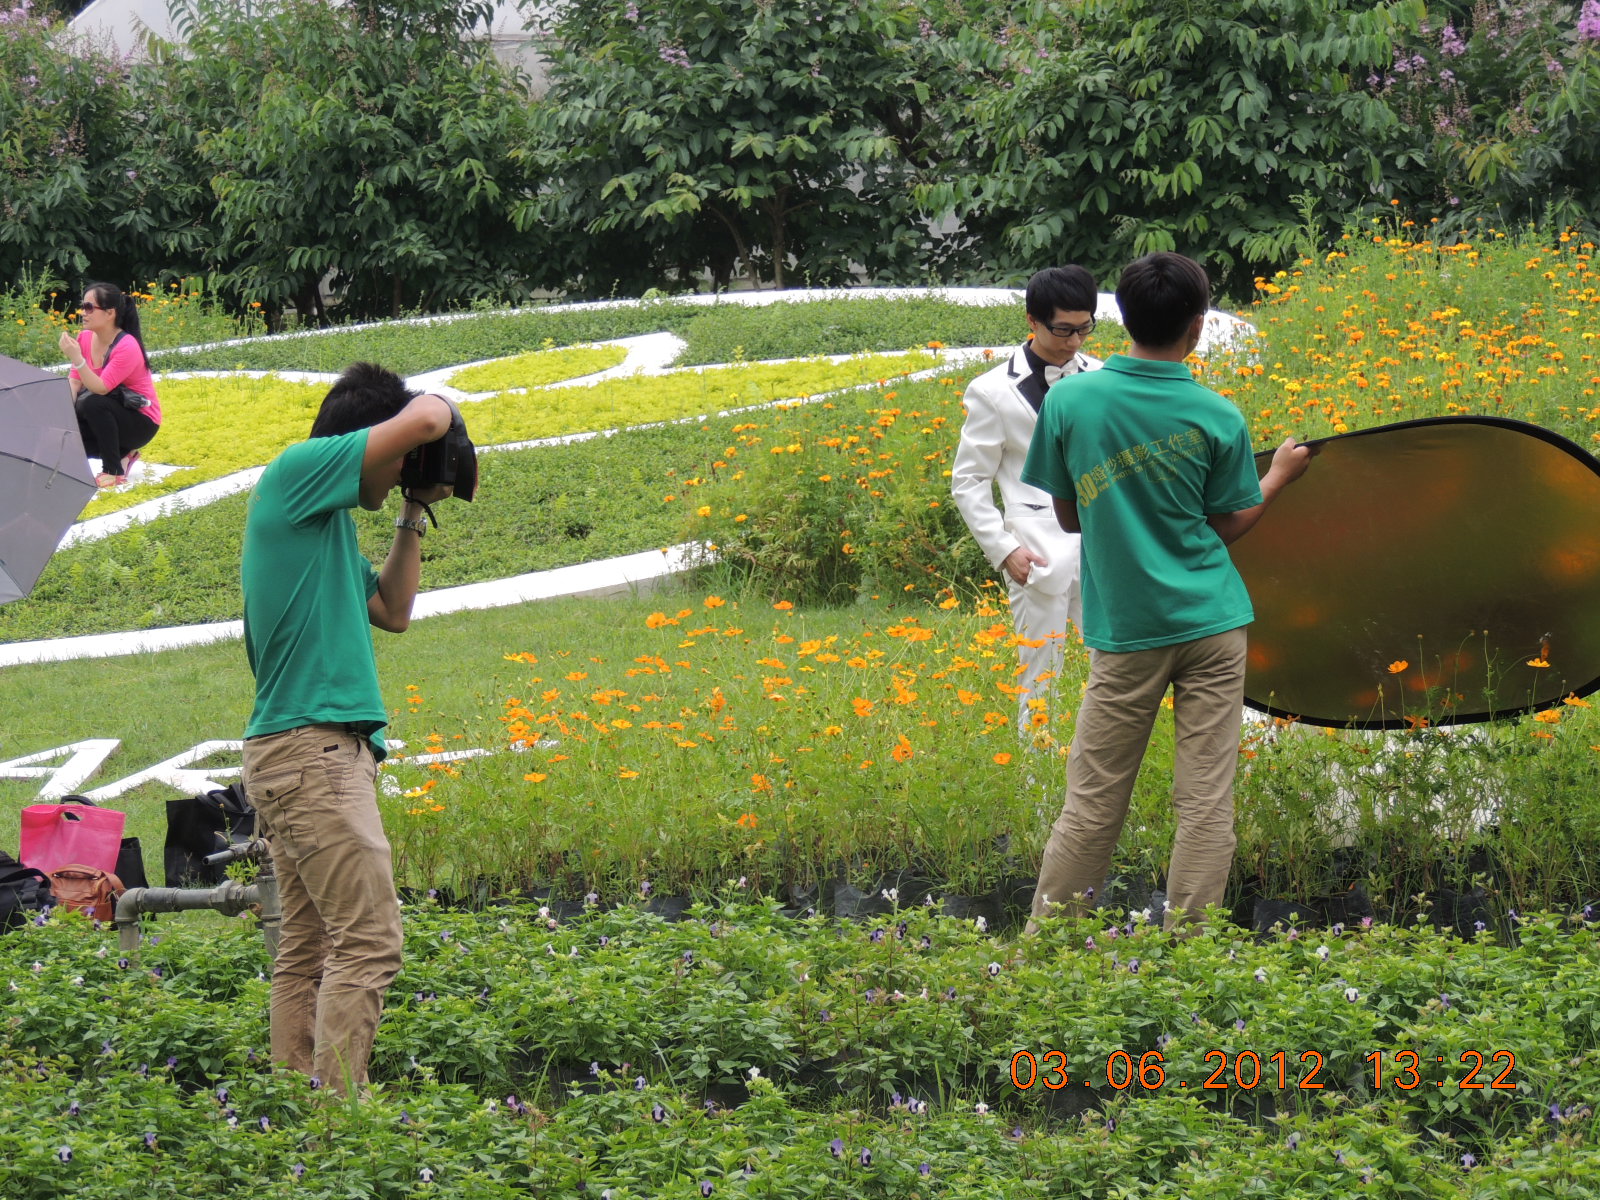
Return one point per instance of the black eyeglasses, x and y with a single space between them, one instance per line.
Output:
1066 331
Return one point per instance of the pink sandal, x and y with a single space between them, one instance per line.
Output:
127 463
109 481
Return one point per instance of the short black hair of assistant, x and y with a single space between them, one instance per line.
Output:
363 396
1070 289
1159 295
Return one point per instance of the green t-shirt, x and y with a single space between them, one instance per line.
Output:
1147 453
306 587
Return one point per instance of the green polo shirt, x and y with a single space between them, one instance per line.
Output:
306 587
1147 453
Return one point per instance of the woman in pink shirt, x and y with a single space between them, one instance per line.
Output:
112 390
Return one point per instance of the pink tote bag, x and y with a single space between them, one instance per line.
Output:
55 835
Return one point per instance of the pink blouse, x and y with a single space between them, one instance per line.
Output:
126 365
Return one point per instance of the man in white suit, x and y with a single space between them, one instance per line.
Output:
1020 536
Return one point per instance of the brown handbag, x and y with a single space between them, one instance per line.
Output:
87 889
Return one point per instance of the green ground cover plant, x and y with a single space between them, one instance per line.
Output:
730 332
552 506
612 403
538 368
213 427
525 1054
715 334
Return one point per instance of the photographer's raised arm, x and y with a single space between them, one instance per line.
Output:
424 420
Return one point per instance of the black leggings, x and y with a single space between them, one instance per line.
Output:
111 430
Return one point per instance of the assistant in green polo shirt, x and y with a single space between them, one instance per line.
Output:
1157 474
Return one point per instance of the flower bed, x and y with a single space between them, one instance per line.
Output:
752 1054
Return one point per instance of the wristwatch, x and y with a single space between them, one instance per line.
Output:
420 524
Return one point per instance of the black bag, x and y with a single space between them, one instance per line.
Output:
22 890
129 397
202 825
122 392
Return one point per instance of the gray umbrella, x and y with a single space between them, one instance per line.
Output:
44 473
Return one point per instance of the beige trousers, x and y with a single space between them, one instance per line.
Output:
1043 622
1113 730
315 793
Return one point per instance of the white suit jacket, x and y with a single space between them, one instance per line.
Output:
993 447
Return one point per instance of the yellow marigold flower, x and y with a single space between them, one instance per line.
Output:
1397 666
703 511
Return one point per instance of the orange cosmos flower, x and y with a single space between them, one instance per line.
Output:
1538 662
862 706
783 605
1397 666
1573 700
1550 716
902 750
715 601
625 773
759 783
1002 758
747 821
536 777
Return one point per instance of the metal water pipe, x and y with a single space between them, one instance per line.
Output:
230 897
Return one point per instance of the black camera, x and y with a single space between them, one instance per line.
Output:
451 459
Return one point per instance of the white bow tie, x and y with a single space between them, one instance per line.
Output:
1053 373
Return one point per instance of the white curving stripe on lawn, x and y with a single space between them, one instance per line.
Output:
600 578
647 352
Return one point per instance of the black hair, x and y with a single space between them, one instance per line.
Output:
123 310
1159 295
363 396
1069 288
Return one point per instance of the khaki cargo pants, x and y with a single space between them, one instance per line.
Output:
1112 732
314 789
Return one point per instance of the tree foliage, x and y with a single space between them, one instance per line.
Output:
378 146
61 133
1114 128
774 140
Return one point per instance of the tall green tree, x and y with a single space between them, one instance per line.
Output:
377 146
63 111
1100 131
777 141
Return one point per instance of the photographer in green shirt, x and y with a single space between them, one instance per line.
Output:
1156 472
315 736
